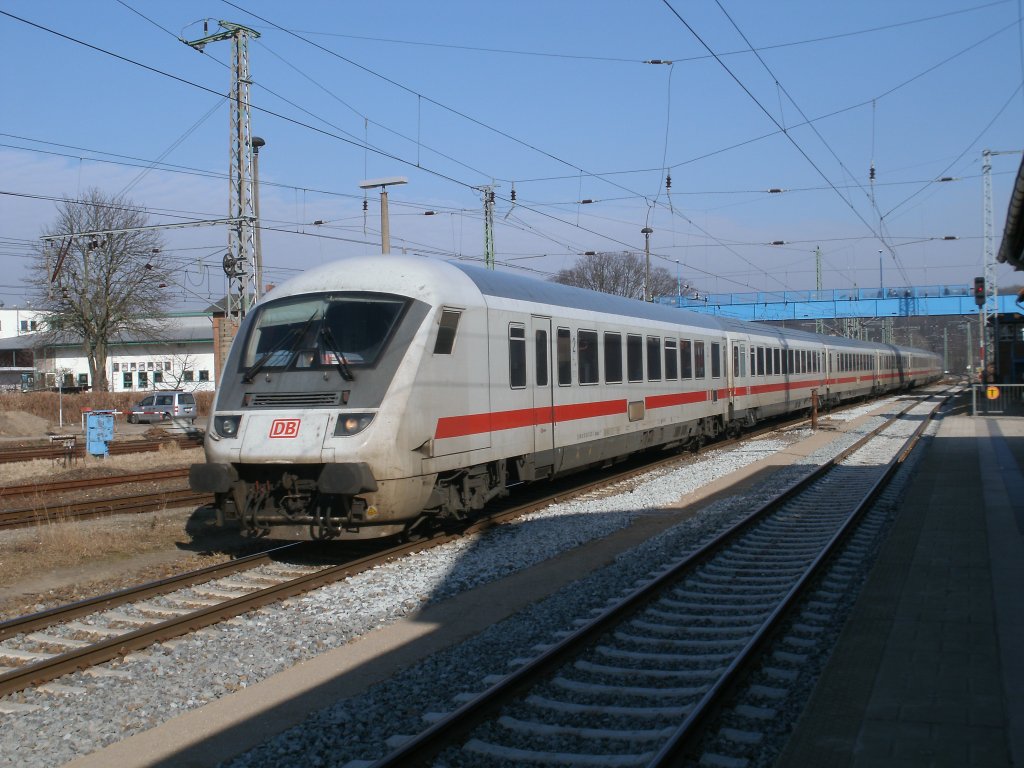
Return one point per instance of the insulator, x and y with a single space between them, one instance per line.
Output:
364 205
513 194
668 181
871 173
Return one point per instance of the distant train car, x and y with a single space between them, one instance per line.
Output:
371 395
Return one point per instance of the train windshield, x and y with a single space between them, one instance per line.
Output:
326 331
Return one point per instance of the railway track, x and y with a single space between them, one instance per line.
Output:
41 647
83 510
635 684
61 486
115 448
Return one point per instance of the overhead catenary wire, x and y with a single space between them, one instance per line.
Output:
365 142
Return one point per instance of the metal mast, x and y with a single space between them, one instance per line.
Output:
990 307
819 324
488 192
240 261
989 347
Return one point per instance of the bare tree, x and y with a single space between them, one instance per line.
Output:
98 288
621 274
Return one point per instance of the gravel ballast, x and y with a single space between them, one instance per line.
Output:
150 687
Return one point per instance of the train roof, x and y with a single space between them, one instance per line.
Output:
512 286
433 280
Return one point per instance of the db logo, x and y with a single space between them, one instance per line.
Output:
285 428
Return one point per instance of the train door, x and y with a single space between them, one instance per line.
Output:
543 406
735 360
732 370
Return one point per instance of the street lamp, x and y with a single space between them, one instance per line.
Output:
646 232
385 234
257 142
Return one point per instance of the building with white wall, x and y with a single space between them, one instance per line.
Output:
15 321
177 354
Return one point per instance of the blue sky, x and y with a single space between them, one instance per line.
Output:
551 99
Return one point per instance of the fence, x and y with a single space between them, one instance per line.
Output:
997 399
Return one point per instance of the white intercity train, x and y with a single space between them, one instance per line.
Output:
371 395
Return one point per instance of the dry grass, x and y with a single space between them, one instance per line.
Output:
54 564
47 405
168 456
59 544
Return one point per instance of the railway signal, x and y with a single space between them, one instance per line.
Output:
979 291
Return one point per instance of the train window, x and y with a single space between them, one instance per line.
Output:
716 360
516 356
760 361
736 357
446 332
586 356
698 359
685 359
613 358
653 358
753 360
768 370
563 347
789 361
743 360
315 331
540 345
635 357
777 354
671 360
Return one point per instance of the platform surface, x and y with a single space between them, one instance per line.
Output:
929 670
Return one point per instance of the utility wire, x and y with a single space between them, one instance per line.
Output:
628 60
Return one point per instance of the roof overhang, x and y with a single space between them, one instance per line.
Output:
1011 250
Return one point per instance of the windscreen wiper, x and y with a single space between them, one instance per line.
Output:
339 357
288 337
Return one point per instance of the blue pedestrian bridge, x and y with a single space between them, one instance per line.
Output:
931 300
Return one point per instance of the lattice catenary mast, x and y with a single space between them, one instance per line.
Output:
240 261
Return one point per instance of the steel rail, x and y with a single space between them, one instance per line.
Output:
105 602
139 503
60 486
61 664
684 737
114 448
422 748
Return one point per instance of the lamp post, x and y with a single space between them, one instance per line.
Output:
679 287
257 142
881 284
646 232
385 234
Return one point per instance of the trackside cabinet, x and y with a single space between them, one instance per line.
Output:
99 430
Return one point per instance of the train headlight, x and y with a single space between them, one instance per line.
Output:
352 423
226 426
